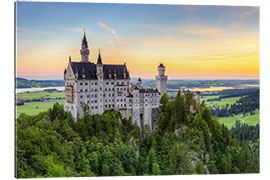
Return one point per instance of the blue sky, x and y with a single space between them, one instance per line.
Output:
142 36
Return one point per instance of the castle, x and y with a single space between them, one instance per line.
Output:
106 86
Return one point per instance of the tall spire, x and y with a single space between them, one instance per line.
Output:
99 61
84 50
84 41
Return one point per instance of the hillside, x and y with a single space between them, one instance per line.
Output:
24 83
51 144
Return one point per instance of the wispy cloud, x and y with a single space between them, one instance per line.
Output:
75 29
193 8
250 11
113 31
32 31
111 44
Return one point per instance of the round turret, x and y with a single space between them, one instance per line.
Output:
161 69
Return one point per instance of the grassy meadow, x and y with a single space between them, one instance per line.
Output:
33 108
40 94
222 101
230 121
249 119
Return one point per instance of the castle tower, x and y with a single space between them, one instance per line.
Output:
139 83
198 97
100 83
161 79
84 50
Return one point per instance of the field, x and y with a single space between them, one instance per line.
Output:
222 101
33 108
40 94
249 119
230 121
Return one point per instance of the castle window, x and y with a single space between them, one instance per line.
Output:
86 90
81 90
96 107
86 83
95 83
81 96
112 83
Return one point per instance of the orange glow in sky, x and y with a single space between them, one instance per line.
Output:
195 50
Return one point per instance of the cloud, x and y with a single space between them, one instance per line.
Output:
113 31
32 31
193 8
75 29
203 31
111 44
250 11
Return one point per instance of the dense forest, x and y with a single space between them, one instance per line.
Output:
24 83
246 104
52 144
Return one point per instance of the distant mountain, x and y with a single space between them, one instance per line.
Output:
25 83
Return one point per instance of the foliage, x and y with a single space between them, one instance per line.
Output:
52 144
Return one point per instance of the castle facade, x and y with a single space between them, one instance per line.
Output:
106 86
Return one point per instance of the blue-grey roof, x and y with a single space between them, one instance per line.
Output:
89 70
148 90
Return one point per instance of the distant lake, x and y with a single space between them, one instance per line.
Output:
20 90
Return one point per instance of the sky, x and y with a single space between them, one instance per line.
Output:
193 42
